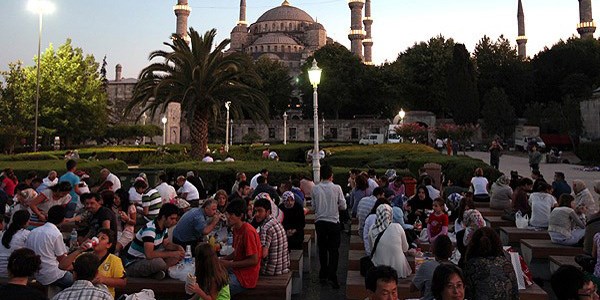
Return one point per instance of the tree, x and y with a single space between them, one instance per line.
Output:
277 84
202 79
463 99
498 115
424 68
72 101
17 109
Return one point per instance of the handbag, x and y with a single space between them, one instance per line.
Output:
366 262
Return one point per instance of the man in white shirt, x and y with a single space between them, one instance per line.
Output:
47 242
188 191
264 173
328 199
167 192
106 175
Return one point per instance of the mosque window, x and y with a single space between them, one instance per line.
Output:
282 26
262 48
293 135
271 133
334 133
289 48
354 133
268 48
291 26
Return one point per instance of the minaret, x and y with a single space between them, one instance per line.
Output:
182 11
242 20
368 41
357 34
239 34
586 26
521 38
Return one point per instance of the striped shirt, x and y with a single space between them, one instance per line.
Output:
273 237
153 201
150 233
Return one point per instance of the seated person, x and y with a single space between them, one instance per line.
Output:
442 249
101 216
110 270
150 254
47 242
564 226
212 281
275 255
188 191
84 272
381 283
542 203
13 238
418 204
196 223
294 220
55 195
244 263
22 264
568 282
448 282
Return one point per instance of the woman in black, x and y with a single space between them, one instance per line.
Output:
418 204
22 264
293 220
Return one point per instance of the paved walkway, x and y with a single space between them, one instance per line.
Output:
510 163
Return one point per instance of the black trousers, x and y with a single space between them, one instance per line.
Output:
328 241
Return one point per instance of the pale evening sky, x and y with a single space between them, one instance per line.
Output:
127 30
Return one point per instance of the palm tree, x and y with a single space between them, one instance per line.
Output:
202 79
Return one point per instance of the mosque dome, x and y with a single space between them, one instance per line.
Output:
285 12
275 39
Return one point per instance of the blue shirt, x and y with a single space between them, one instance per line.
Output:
74 181
190 226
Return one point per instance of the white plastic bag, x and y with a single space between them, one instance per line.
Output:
145 294
522 221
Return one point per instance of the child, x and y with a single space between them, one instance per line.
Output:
437 223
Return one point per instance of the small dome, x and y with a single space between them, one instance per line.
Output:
275 39
285 12
316 26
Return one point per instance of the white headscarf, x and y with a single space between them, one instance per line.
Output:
384 215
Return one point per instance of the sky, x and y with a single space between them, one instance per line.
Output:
126 31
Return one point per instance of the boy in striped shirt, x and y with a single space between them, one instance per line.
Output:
151 254
151 204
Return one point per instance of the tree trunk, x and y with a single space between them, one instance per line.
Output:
199 135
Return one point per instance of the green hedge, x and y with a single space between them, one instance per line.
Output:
42 167
589 152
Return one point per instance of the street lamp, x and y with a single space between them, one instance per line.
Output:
227 105
144 117
314 75
401 114
39 7
285 128
231 132
164 121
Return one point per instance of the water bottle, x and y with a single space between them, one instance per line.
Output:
73 239
419 259
188 255
229 239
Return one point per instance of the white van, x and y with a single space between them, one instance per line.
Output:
372 139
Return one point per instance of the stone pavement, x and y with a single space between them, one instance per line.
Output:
510 162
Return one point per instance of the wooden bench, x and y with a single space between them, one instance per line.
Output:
307 249
354 229
355 289
559 260
297 268
479 205
542 249
166 288
269 288
496 222
354 257
310 230
310 219
512 235
356 243
489 212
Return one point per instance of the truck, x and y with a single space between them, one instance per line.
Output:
526 136
372 139
392 136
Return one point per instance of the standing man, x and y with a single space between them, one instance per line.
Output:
495 153
328 200
535 158
74 181
188 191
196 223
106 175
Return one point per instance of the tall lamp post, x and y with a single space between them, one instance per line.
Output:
227 105
164 121
39 7
144 117
401 114
285 128
231 132
314 75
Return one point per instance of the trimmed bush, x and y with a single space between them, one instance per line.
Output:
42 167
588 152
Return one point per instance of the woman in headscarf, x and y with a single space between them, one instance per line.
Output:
501 193
294 220
392 244
471 221
584 198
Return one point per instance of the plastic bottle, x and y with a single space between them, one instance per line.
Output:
188 255
73 239
419 259
230 239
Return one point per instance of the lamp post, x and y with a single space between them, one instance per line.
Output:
39 7
144 117
231 132
401 114
164 121
227 105
285 128
314 75
323 128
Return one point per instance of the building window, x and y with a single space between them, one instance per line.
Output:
275 48
293 135
291 27
251 129
354 133
282 26
271 133
311 134
268 48
334 133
